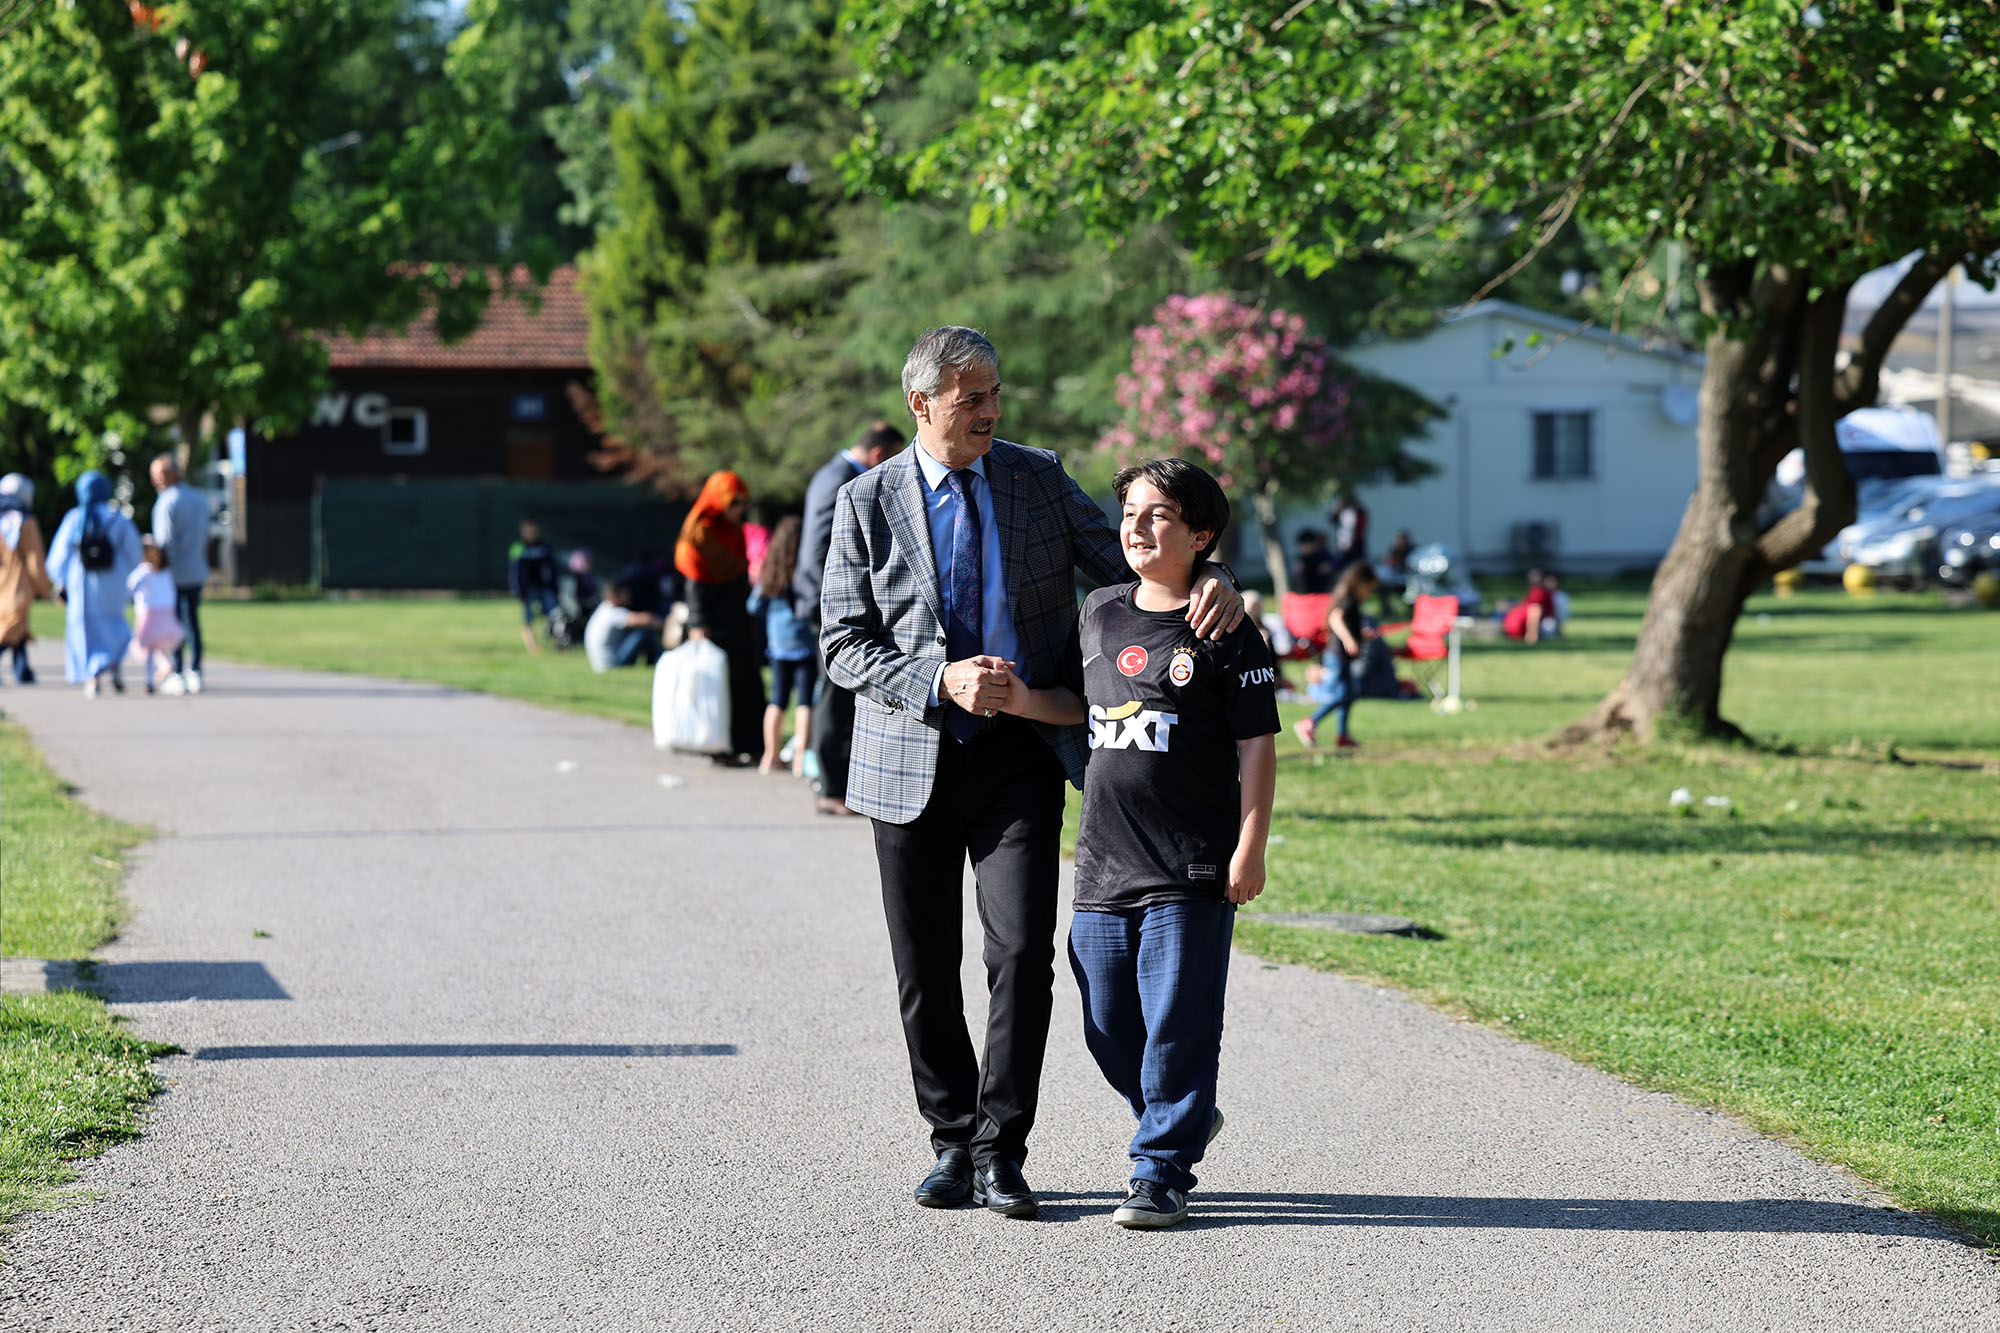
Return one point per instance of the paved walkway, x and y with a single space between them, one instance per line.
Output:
550 1031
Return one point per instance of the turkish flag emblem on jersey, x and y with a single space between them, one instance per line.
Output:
1133 660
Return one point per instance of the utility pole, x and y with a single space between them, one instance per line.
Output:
1944 356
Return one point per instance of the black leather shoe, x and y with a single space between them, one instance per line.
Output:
950 1182
999 1186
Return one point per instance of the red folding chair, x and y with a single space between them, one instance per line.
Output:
1428 646
1305 620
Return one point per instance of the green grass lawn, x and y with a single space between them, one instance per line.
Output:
1823 956
71 1080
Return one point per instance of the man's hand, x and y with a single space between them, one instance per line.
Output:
1019 699
1246 876
979 685
1215 608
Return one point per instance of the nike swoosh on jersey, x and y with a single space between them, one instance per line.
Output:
1092 658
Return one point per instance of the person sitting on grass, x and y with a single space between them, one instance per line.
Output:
618 636
1534 615
1176 808
1558 616
1334 685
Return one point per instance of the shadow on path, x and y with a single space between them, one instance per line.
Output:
410 691
168 982
457 1050
1775 1216
507 831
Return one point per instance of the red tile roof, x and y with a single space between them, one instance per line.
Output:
553 335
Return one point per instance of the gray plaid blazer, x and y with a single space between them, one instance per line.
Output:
882 614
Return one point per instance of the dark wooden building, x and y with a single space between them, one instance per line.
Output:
431 418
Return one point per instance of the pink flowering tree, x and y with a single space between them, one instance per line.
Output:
1250 395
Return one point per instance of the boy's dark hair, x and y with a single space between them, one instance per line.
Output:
1203 506
619 593
1310 536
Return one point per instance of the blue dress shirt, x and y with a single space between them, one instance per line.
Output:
997 638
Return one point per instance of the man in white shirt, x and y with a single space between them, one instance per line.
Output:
618 636
180 528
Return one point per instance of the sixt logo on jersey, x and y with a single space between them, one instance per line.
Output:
1261 676
1127 726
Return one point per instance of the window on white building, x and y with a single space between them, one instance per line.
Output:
1562 445
407 431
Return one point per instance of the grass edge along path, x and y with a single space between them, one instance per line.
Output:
72 1080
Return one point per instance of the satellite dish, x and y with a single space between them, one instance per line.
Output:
1680 404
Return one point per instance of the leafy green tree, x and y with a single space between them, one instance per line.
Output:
547 55
710 289
1060 305
602 71
171 231
1787 148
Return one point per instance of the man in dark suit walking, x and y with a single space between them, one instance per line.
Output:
833 714
950 570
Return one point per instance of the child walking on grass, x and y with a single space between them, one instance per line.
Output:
1176 808
158 631
1335 688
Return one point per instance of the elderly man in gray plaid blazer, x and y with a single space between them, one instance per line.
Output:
951 569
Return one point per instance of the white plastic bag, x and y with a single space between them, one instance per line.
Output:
691 699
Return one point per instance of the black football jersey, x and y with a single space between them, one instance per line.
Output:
1162 802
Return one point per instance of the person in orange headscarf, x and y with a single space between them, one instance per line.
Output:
712 557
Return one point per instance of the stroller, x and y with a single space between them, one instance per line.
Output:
1436 570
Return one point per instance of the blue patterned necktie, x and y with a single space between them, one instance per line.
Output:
964 631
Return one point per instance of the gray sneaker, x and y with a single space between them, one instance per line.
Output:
1215 1125
1151 1206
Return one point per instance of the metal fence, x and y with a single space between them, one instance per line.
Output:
455 534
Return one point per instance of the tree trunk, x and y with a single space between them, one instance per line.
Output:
187 453
1265 501
1762 393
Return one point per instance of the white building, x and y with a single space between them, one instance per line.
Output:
1572 448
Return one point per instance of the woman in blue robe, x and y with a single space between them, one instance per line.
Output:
95 636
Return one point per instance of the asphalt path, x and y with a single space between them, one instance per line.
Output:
496 1018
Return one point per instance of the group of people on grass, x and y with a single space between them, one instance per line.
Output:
1356 663
751 591
96 566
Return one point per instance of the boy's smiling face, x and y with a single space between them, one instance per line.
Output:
1157 541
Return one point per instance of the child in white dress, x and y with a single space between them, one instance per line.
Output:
158 631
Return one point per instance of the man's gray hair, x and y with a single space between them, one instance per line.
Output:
167 462
954 346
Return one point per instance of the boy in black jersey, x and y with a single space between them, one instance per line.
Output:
1176 806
